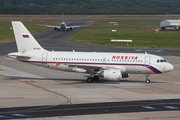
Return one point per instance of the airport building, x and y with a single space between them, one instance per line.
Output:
170 24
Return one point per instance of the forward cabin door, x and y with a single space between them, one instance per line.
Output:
147 61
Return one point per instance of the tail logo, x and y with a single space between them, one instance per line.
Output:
25 35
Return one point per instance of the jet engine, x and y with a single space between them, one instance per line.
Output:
113 75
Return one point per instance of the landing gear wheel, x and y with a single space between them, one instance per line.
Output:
89 80
96 78
147 81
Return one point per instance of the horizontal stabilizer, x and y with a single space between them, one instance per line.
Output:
18 55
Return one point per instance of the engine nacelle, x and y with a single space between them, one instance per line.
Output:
113 75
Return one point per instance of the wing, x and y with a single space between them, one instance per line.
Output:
96 68
51 26
72 27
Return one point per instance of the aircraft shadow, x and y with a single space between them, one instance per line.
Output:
77 81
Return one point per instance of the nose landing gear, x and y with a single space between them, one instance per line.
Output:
147 80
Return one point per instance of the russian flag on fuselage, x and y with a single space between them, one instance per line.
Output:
25 35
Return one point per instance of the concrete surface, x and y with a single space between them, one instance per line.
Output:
27 85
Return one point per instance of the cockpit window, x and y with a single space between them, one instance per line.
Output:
164 60
161 60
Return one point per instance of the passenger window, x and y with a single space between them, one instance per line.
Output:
157 61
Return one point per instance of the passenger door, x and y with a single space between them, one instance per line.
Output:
147 61
44 58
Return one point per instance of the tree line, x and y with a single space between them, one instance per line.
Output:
90 7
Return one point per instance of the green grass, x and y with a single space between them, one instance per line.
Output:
6 32
139 31
135 23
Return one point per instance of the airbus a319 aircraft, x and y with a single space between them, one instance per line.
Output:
61 27
110 66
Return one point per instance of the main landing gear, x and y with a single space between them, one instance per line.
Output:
91 79
147 80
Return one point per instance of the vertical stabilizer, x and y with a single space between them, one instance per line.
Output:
24 39
62 17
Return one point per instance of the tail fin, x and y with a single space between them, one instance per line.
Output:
24 39
62 17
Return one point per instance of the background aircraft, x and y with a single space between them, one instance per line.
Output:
110 66
61 27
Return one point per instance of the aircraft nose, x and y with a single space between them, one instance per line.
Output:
169 67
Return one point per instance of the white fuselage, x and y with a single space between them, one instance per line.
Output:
63 26
126 62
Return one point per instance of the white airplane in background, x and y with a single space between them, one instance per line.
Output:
110 66
61 27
